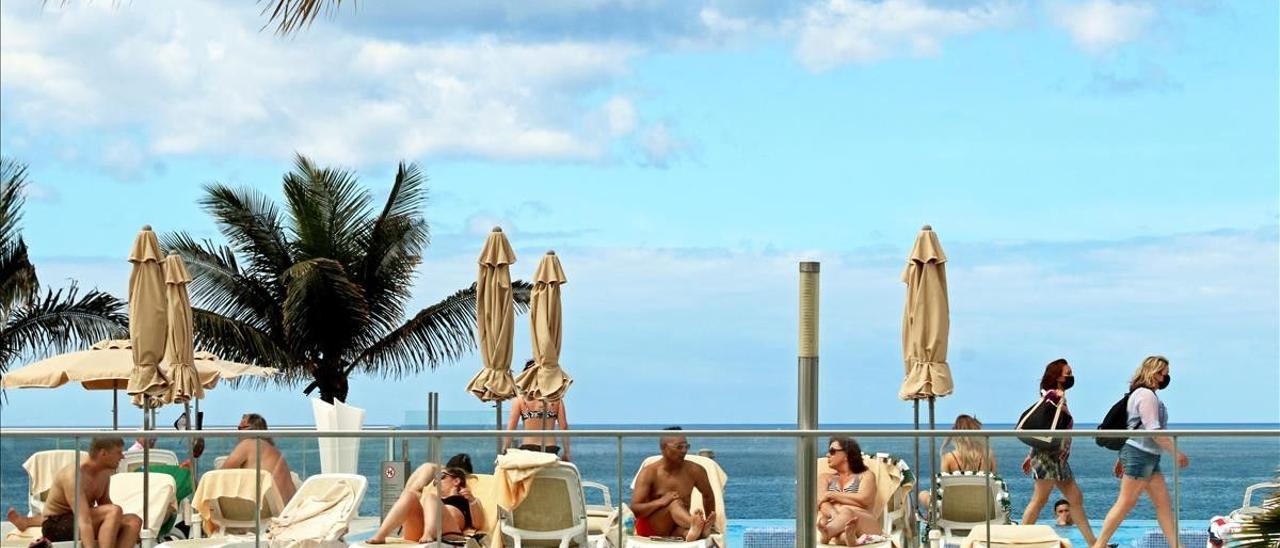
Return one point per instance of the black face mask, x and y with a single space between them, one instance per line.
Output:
1165 383
1068 382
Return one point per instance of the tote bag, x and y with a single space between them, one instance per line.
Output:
1044 415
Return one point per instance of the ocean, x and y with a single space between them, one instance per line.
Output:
761 476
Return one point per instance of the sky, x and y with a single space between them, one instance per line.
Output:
1104 176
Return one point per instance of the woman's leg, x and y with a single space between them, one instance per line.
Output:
866 523
1158 491
1130 488
451 521
407 510
1071 492
1043 488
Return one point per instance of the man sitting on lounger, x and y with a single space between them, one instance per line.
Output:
663 492
101 523
273 461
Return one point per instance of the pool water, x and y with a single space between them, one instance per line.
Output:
1130 533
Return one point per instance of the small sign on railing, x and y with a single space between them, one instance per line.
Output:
392 480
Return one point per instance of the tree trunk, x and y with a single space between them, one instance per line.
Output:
332 383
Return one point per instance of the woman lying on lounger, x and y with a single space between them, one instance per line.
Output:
847 497
459 513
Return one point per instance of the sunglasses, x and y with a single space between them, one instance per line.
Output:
834 450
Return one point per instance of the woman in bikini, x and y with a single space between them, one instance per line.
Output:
847 496
540 416
968 454
462 513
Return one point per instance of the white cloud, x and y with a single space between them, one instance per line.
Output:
1099 26
201 78
621 115
659 146
837 32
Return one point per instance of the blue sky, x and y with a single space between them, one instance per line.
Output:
1104 175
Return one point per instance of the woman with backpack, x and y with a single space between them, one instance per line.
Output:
1139 464
1049 467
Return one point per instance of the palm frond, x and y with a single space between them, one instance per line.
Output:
13 185
440 333
393 248
219 285
292 15
251 223
18 280
329 211
324 312
62 320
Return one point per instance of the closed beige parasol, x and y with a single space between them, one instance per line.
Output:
926 321
495 320
148 319
545 380
184 383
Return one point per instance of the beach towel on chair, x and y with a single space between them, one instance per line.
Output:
316 520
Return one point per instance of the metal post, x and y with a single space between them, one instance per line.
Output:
987 473
542 441
115 408
1177 498
807 403
933 460
146 477
75 508
497 407
257 491
622 523
915 404
437 499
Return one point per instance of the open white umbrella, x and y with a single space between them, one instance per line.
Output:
108 365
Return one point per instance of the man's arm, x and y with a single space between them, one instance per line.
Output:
641 506
88 537
703 483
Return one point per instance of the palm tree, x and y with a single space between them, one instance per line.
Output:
292 15
318 288
32 325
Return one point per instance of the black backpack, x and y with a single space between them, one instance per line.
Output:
1117 419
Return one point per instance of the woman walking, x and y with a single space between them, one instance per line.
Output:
1139 462
1050 467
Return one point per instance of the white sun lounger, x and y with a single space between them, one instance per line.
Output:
553 514
132 461
893 497
42 467
225 502
1015 536
717 478
962 503
482 487
126 491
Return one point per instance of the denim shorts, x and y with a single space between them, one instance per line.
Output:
1138 464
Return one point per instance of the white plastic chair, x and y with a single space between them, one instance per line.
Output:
962 504
41 468
132 461
717 478
126 491
555 510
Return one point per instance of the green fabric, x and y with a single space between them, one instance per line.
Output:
181 476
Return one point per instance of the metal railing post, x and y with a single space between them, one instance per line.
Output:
257 491
75 509
1177 498
807 403
990 500
622 522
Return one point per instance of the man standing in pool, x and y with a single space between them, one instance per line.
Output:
663 492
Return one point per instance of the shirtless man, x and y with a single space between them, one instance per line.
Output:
101 523
664 490
272 459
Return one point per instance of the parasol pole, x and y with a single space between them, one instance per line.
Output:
115 407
